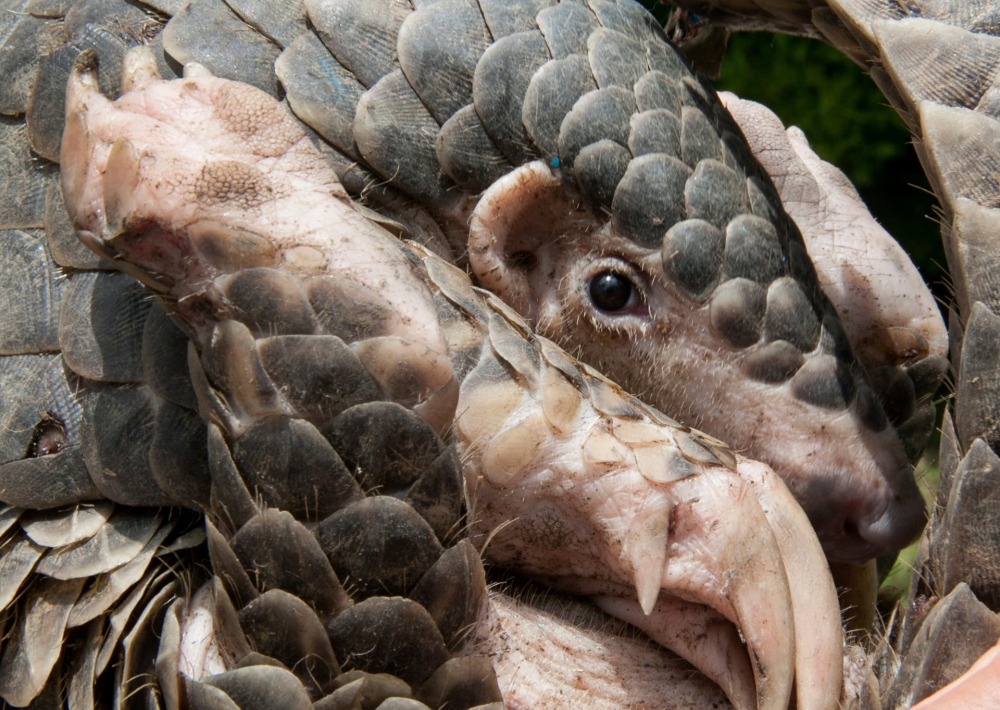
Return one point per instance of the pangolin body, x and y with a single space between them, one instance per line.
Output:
591 192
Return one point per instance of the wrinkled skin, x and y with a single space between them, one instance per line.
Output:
709 548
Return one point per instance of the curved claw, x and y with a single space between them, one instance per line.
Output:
734 659
723 553
818 628
715 560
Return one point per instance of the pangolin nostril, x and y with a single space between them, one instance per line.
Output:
856 523
895 528
851 528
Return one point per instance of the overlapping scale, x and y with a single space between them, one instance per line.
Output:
392 107
578 80
19 57
232 49
499 85
30 295
362 36
438 49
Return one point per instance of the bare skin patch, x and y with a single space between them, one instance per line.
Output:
230 181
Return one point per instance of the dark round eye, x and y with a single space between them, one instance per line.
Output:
611 291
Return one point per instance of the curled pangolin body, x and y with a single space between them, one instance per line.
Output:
555 458
142 473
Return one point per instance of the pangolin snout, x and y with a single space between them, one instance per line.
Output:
854 526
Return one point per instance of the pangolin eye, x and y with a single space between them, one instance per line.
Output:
611 292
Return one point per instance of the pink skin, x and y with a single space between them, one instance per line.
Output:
976 689
546 658
691 549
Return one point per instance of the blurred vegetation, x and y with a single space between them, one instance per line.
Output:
809 84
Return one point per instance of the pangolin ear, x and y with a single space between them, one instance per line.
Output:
517 218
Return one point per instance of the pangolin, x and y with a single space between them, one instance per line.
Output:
535 177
